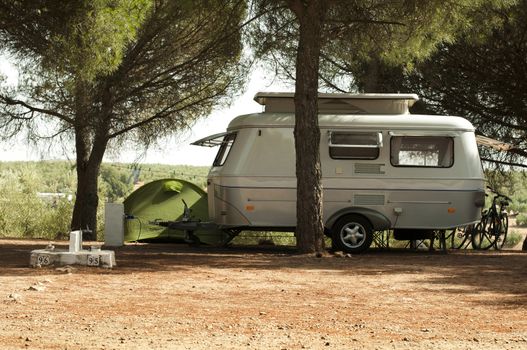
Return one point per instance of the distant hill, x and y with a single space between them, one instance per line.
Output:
60 176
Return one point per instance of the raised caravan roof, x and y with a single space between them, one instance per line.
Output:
283 102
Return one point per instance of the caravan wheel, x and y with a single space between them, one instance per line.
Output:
352 234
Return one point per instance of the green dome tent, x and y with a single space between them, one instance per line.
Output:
163 200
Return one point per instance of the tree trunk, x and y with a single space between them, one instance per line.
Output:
85 209
91 139
87 199
310 227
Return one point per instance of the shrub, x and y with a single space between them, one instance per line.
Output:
513 238
521 220
265 238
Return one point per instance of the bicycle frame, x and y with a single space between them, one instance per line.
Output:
491 231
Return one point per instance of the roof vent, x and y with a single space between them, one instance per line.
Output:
283 102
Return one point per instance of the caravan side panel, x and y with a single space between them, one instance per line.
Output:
256 187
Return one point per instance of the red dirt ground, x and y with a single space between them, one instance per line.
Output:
179 297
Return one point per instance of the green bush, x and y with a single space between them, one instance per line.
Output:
265 238
513 238
24 214
56 221
521 220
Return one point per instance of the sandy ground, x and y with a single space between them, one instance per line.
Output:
180 297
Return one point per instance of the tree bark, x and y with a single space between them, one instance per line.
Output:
87 199
310 227
91 139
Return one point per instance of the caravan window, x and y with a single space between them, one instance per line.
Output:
354 145
422 151
224 150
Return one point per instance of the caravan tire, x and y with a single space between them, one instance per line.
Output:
352 234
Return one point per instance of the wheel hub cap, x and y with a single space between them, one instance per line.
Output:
352 235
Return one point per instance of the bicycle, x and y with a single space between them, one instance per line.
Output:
491 231
461 237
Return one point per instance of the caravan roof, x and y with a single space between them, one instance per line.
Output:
349 110
343 111
403 122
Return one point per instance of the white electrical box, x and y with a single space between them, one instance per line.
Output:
114 224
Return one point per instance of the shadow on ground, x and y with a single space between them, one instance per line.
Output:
503 272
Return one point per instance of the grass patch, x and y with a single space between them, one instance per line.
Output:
265 238
513 238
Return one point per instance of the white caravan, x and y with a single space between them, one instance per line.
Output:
382 168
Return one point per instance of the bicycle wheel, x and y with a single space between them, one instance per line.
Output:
449 238
483 237
440 240
460 235
501 234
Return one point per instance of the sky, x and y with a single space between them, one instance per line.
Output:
175 150
179 150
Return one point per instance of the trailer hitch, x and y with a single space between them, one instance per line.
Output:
187 225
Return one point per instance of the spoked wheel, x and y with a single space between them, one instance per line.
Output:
352 234
501 234
460 236
483 237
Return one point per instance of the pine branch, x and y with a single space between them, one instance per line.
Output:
12 102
